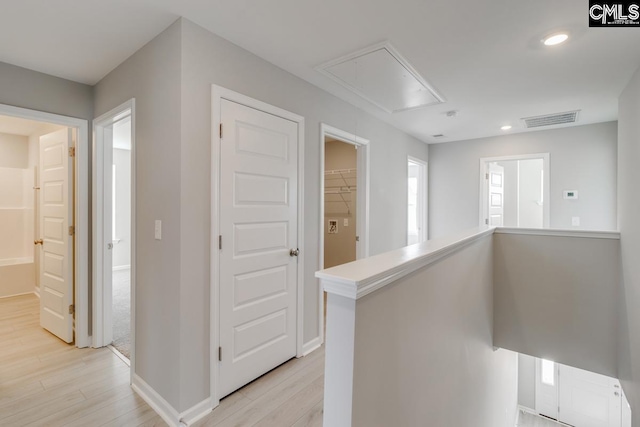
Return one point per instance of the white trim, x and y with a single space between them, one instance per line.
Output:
322 68
120 355
81 186
157 402
196 412
358 279
121 268
99 289
311 346
589 234
36 291
362 203
19 295
522 408
219 93
483 195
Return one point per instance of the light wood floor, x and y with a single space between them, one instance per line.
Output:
45 382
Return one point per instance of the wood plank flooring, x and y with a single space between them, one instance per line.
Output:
45 382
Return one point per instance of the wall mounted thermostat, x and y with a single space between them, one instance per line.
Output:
570 194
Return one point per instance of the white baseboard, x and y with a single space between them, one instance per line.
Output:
121 267
20 294
157 402
196 412
311 346
528 410
36 291
164 408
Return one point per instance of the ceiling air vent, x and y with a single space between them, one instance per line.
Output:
551 119
437 135
383 77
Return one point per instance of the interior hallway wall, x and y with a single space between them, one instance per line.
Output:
628 209
582 158
171 80
526 381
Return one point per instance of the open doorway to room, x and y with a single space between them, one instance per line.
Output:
43 257
113 230
568 395
416 201
515 191
344 201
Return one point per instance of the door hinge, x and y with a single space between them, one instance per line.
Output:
72 151
72 230
220 130
486 176
486 221
220 241
72 309
220 354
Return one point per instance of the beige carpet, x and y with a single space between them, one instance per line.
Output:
122 311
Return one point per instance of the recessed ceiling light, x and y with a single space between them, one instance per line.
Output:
555 39
506 127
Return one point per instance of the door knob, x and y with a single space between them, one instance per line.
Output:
109 246
615 393
38 242
294 252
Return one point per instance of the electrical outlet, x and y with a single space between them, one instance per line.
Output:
346 222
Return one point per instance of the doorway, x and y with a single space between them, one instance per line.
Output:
344 202
416 201
570 395
114 230
43 217
514 191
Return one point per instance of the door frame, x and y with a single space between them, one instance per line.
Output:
99 288
425 194
362 204
484 188
81 211
218 93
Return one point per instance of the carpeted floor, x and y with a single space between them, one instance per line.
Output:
122 311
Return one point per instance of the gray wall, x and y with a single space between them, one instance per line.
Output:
171 80
510 193
424 350
582 158
553 301
526 381
37 91
153 76
122 250
628 209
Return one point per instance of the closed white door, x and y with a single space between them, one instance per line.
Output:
56 216
258 258
496 195
547 388
588 399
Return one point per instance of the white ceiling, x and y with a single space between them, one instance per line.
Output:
484 57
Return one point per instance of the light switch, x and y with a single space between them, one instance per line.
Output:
158 230
346 222
575 221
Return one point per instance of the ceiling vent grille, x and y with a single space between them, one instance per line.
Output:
551 119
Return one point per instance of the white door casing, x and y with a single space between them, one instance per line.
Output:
258 225
495 176
56 218
587 399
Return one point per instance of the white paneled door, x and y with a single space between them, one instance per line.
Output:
588 399
56 218
258 240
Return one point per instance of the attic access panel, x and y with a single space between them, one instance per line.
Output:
383 77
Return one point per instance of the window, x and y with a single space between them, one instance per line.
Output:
548 372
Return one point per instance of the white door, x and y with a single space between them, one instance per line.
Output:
496 195
588 399
258 226
56 216
547 388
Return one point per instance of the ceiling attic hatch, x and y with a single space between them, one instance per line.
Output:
383 77
551 119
